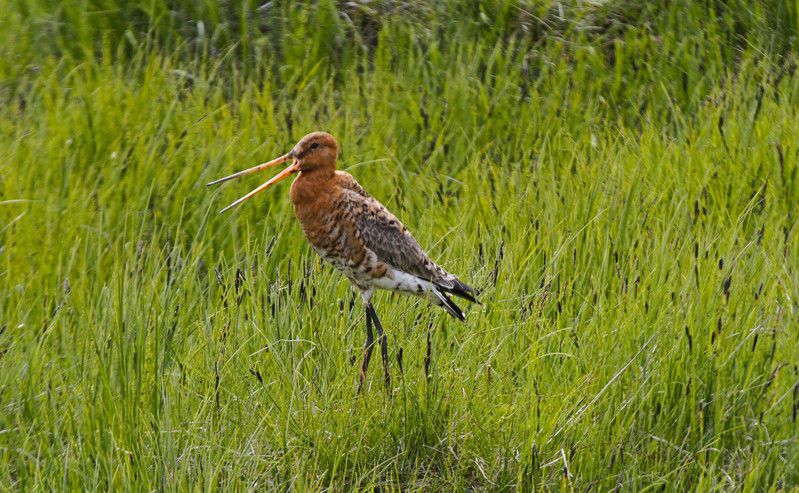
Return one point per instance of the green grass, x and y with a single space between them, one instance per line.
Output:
624 192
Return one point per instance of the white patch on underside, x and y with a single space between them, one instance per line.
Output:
394 280
408 284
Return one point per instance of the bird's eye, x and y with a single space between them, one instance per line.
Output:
315 145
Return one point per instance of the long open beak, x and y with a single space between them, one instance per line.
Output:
292 168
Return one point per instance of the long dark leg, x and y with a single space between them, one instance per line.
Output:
383 343
427 358
367 347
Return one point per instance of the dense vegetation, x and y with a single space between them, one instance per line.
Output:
619 179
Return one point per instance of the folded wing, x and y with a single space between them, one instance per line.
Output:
386 236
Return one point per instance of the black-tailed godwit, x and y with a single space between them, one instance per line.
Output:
357 235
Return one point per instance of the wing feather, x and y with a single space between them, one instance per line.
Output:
393 244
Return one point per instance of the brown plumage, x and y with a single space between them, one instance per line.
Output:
357 235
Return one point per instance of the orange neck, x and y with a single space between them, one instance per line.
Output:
310 186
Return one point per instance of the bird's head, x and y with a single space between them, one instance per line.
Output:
317 151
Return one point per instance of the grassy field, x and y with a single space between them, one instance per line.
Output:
620 181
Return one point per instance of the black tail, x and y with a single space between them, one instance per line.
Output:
459 289
462 290
446 303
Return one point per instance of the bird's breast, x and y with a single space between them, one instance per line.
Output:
331 229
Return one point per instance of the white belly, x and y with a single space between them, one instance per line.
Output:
405 283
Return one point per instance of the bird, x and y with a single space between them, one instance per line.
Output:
358 236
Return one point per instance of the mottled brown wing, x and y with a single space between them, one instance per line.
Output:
385 235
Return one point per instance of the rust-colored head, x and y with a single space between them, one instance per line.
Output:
316 151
